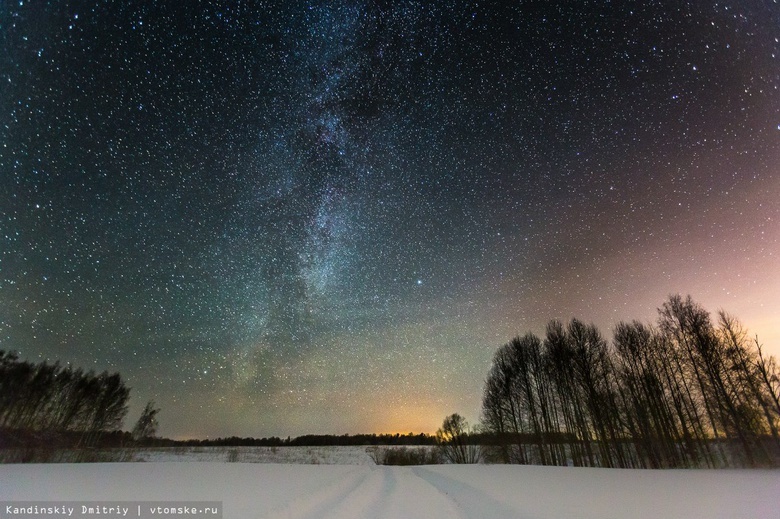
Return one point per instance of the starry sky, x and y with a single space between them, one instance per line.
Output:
281 218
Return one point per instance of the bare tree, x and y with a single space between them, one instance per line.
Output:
146 426
453 439
770 377
653 409
517 407
751 408
688 331
683 394
560 353
110 396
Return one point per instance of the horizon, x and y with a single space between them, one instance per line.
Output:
292 438
278 220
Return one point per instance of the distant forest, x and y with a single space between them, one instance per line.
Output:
311 440
685 392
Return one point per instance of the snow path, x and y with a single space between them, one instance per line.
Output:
476 504
379 492
271 491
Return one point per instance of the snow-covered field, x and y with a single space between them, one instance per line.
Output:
328 455
295 455
303 491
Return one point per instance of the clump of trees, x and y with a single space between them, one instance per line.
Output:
455 441
406 455
52 403
687 392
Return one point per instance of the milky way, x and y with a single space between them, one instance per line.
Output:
324 217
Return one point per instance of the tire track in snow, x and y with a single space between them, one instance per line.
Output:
366 500
394 493
415 497
380 493
319 502
473 503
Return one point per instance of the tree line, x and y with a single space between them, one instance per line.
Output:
52 404
687 392
307 440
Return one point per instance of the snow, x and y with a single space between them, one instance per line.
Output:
331 455
305 491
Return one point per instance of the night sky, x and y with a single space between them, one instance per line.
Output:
280 218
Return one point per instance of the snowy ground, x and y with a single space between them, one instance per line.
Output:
295 455
328 455
252 490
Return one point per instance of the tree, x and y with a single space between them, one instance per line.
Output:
753 412
686 393
54 405
654 409
110 396
560 353
503 401
453 439
770 378
718 361
146 426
